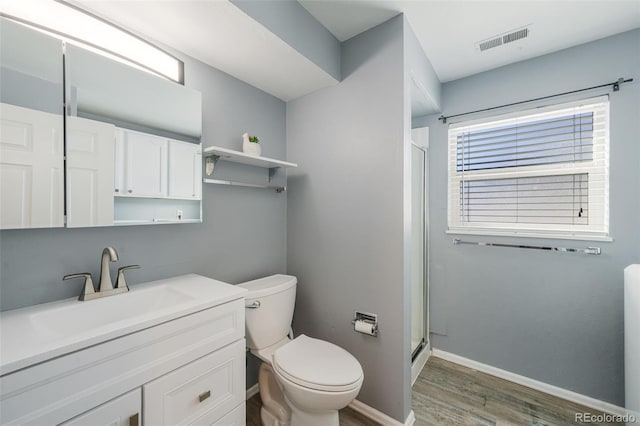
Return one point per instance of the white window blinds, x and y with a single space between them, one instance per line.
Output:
536 173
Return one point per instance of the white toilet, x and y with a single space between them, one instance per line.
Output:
304 381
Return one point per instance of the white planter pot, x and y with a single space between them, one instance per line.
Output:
251 148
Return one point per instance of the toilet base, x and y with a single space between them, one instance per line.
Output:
274 411
302 418
269 419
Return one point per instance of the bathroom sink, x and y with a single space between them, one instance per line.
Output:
87 317
37 333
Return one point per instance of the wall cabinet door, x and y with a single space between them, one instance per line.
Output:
90 170
122 411
118 172
31 168
185 170
146 165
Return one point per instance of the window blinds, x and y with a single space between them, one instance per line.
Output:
561 199
553 140
537 172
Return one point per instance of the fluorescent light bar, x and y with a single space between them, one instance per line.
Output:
75 26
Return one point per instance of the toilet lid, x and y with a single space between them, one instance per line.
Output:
317 364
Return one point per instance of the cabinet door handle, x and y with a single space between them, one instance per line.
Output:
134 420
204 395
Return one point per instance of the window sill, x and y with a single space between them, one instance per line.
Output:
524 234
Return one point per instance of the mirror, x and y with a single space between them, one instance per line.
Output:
31 129
133 145
131 138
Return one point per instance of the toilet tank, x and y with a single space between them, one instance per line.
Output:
273 299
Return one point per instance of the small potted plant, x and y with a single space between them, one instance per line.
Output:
251 145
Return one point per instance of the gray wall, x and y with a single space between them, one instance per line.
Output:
243 235
345 222
425 87
553 317
298 28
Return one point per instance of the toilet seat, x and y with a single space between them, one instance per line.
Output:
317 365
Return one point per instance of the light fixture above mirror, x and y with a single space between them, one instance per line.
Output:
74 25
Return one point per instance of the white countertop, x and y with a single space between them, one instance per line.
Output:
41 332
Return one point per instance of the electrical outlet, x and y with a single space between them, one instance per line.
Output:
179 214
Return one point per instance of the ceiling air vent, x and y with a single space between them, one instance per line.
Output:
505 38
490 44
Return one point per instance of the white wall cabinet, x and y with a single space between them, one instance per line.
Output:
123 411
156 180
156 167
31 168
90 172
185 170
145 165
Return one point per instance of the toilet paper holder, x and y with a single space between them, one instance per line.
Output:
367 319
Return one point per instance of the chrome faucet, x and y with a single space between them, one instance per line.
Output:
106 287
109 254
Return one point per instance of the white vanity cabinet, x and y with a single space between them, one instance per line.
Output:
185 366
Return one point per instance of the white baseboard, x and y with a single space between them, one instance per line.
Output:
253 390
420 362
379 416
411 419
596 404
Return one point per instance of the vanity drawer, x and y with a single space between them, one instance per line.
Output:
122 411
200 392
238 417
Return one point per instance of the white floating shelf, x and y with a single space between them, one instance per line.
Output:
242 158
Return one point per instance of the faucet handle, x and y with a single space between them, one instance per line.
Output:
88 283
121 282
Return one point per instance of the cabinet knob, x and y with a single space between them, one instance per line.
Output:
204 395
134 420
130 191
117 190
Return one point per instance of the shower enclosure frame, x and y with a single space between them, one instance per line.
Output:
420 353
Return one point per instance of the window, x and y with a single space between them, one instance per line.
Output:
539 173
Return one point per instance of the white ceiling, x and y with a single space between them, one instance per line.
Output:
219 34
449 30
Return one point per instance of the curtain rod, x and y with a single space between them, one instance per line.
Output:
616 86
